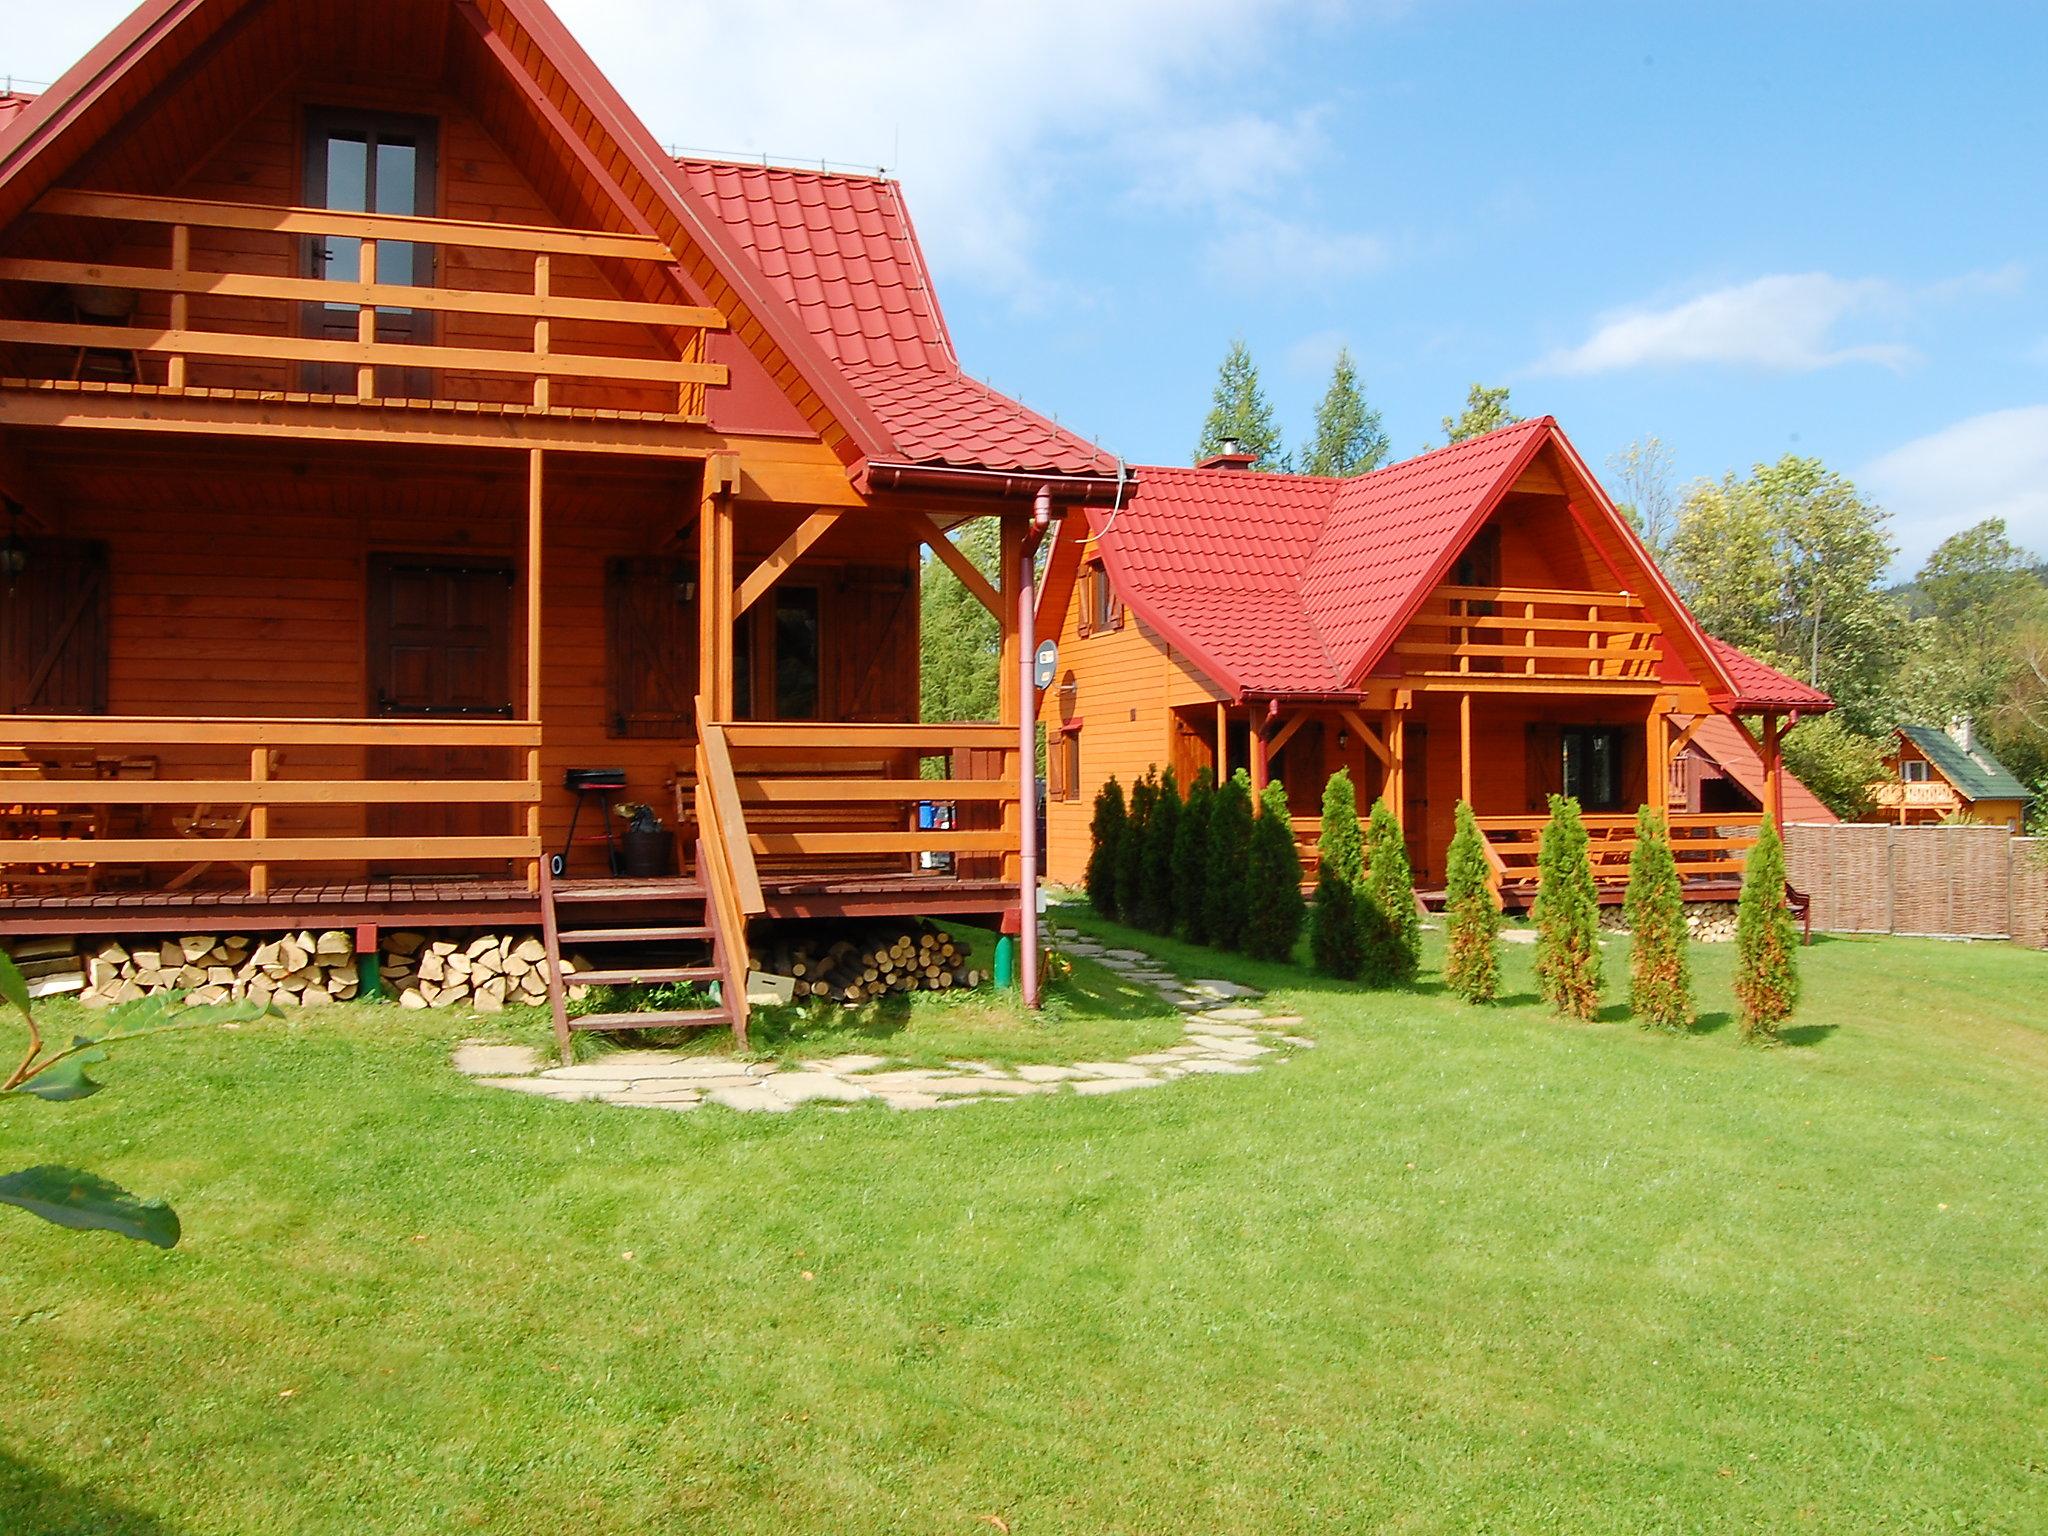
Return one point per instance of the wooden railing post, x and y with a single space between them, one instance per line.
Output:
536 499
181 303
259 821
543 331
366 322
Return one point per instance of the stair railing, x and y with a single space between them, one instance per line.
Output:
725 863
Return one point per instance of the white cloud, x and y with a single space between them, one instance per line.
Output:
1261 251
1785 323
996 115
1993 465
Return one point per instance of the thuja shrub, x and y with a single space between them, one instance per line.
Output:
1766 942
1567 915
1273 881
1162 826
1224 891
1335 946
1659 970
1471 917
1191 858
1390 923
1105 845
1130 853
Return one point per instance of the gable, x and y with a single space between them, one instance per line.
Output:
178 77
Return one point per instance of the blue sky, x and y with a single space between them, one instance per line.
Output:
1745 229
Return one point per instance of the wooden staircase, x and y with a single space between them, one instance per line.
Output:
641 933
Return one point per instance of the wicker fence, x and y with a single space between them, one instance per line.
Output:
1952 882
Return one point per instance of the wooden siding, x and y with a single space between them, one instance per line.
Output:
238 588
1126 682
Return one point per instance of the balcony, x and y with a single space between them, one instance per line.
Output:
197 304
1929 796
1517 636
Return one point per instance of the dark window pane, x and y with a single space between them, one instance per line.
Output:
796 654
743 668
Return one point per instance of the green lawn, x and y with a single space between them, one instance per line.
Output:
1454 1270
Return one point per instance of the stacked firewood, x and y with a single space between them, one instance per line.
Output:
488 973
304 969
874 963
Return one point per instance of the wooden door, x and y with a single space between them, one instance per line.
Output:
440 636
53 629
369 162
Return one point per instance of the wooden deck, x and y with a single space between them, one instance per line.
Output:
458 903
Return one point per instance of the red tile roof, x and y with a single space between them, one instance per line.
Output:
12 105
842 252
1758 686
1293 584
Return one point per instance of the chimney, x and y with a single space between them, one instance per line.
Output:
1229 454
1962 733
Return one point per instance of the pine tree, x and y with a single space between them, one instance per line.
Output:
1333 925
1240 412
1486 410
1105 843
1191 858
1471 919
1273 881
1567 914
1659 972
1350 437
1130 853
1161 830
1224 891
1766 942
1390 925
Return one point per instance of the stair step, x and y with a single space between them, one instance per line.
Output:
627 893
569 937
690 1018
641 976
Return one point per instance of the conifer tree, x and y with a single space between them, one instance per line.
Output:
1471 919
1486 410
1191 859
1350 437
1161 829
1334 940
1766 942
1273 881
1390 925
1130 853
1105 844
1240 412
1659 972
1567 914
1223 884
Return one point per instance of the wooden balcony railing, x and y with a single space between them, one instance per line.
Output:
725 863
1705 845
1531 633
817 798
534 314
1919 795
65 819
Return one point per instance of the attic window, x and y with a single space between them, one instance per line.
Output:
1913 770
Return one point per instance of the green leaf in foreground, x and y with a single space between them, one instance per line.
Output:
13 988
85 1202
65 1080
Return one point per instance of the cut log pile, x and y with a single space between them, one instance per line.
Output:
292 970
874 963
300 970
488 973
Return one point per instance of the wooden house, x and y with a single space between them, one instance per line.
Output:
391 430
1478 623
1932 776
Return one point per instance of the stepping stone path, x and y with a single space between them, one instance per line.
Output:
1223 1032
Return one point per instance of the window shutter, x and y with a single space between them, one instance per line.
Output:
650 650
1086 624
1543 765
53 631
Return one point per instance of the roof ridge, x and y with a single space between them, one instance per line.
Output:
879 176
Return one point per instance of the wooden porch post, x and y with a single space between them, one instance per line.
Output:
536 497
1774 773
1465 747
1010 675
1261 760
1222 741
1396 734
714 596
259 821
1657 761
